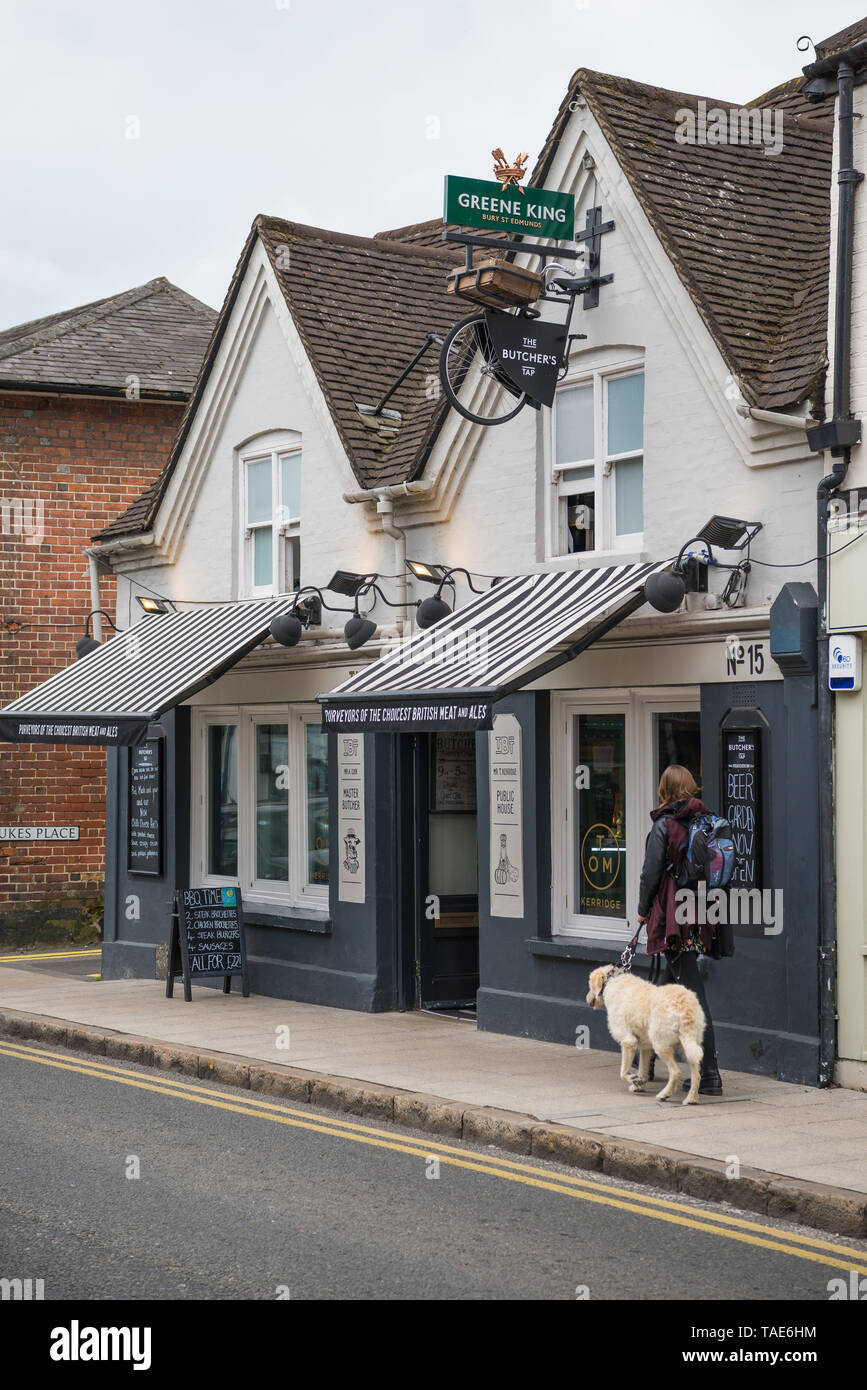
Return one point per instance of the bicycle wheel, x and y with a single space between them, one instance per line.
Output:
472 375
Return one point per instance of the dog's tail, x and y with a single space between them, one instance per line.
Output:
692 1050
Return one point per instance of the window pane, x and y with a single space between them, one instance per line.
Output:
263 568
293 563
600 814
580 522
629 496
290 485
259 502
272 802
223 800
626 414
678 740
317 803
574 424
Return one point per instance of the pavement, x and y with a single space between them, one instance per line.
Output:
791 1151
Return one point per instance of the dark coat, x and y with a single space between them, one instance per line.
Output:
665 846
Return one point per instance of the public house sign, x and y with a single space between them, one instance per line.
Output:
479 203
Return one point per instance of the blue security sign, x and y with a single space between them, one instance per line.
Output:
844 661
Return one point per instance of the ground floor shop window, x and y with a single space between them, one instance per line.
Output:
260 802
608 752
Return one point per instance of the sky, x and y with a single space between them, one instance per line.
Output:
142 139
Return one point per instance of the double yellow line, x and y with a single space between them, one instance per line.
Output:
803 1247
51 955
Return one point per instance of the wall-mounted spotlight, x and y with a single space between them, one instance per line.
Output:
152 605
434 609
665 592
433 574
87 644
347 583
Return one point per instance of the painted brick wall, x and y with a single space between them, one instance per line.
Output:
73 465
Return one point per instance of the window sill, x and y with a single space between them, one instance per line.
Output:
591 559
288 919
579 948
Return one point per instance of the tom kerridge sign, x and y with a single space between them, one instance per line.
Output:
477 203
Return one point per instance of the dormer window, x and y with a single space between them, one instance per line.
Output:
271 551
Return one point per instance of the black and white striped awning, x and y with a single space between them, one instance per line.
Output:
112 694
451 675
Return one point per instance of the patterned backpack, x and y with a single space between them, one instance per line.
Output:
709 856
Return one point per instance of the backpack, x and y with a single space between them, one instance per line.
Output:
709 855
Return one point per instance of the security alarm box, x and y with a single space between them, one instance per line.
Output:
844 661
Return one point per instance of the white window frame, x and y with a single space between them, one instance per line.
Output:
297 892
606 539
284 529
639 704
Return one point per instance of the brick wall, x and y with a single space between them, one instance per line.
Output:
67 468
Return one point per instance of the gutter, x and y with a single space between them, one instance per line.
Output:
774 417
394 490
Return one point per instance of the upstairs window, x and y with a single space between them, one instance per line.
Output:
597 484
271 559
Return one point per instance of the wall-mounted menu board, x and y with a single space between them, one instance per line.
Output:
145 808
742 801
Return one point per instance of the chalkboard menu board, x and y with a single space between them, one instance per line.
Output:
145 813
742 801
207 938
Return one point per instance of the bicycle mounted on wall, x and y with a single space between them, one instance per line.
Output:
496 361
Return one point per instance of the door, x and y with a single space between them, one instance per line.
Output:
447 871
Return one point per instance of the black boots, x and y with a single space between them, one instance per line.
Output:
710 1083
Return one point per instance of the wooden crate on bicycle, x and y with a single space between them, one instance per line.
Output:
497 285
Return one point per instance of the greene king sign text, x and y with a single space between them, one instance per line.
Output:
476 203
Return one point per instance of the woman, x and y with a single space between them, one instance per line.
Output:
681 942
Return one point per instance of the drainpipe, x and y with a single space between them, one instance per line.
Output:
95 600
847 178
385 509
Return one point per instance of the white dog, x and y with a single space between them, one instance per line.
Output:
652 1018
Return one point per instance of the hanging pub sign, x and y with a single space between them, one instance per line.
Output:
509 208
528 351
145 809
207 939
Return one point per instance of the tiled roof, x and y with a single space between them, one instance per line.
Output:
155 332
746 232
846 38
362 307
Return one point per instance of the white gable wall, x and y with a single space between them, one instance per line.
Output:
260 384
700 456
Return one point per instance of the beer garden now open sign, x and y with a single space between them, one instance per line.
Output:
537 211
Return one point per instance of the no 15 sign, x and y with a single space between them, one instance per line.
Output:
746 657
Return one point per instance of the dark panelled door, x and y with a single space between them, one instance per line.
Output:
447 876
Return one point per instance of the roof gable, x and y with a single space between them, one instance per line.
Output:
361 307
747 232
155 332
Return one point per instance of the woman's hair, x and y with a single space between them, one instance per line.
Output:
675 784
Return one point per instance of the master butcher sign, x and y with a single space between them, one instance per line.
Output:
530 352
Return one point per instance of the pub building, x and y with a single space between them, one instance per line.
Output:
453 816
